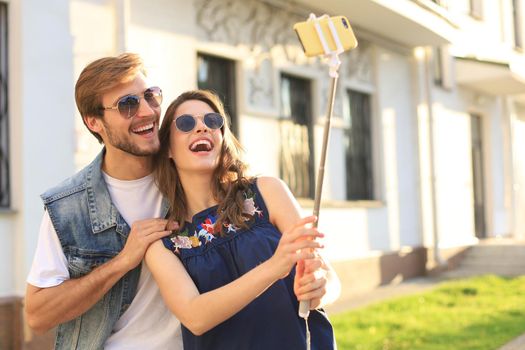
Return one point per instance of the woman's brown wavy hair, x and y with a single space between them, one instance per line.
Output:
229 179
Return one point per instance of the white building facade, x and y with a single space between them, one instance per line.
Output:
426 155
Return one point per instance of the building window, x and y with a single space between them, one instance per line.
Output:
478 175
5 195
297 154
218 74
358 144
437 63
476 9
516 15
441 65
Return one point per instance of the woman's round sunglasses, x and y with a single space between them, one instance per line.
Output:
128 105
187 122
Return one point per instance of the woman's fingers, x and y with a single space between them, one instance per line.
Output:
297 245
311 290
299 269
303 255
311 281
304 244
312 265
304 221
302 233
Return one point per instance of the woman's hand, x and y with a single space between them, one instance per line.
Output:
316 281
310 281
296 244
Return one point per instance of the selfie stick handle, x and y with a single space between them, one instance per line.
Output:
304 305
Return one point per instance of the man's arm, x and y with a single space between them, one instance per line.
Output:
47 307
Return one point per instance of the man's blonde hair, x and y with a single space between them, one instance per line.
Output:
101 76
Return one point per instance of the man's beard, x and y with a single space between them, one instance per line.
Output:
123 143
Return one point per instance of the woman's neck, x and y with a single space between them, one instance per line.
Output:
198 190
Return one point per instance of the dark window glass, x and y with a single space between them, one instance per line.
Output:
218 74
5 196
358 143
516 14
296 162
478 175
437 61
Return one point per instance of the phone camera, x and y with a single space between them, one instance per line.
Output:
345 23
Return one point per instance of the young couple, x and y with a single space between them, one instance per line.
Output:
164 228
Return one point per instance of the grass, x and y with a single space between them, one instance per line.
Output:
480 313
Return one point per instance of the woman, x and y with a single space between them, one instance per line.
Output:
227 272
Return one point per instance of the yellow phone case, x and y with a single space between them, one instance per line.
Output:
310 39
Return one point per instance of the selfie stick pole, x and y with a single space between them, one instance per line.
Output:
334 63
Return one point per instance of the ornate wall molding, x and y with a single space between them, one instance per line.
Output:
358 63
261 28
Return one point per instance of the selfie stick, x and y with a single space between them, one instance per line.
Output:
334 63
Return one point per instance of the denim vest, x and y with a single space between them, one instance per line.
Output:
91 232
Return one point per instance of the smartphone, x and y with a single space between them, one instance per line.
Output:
310 40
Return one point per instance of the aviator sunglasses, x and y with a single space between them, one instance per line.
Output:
187 122
128 105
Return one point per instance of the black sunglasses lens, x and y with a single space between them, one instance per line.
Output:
128 106
214 121
185 123
153 96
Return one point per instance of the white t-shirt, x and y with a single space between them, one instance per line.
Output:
147 323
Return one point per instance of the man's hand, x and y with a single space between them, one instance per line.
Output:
48 307
142 234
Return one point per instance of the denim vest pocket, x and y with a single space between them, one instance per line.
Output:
83 261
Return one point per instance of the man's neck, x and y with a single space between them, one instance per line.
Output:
125 166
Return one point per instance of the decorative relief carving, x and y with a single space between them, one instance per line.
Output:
250 23
265 30
260 86
357 63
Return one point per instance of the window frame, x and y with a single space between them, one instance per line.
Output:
310 124
231 100
517 24
373 186
442 67
5 175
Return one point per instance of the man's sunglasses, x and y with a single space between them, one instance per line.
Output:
128 105
187 122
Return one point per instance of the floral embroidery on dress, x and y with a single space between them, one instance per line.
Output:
249 206
230 227
184 240
205 231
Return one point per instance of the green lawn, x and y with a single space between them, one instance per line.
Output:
476 313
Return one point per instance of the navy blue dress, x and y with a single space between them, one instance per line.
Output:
268 322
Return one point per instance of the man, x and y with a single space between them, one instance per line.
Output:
87 276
